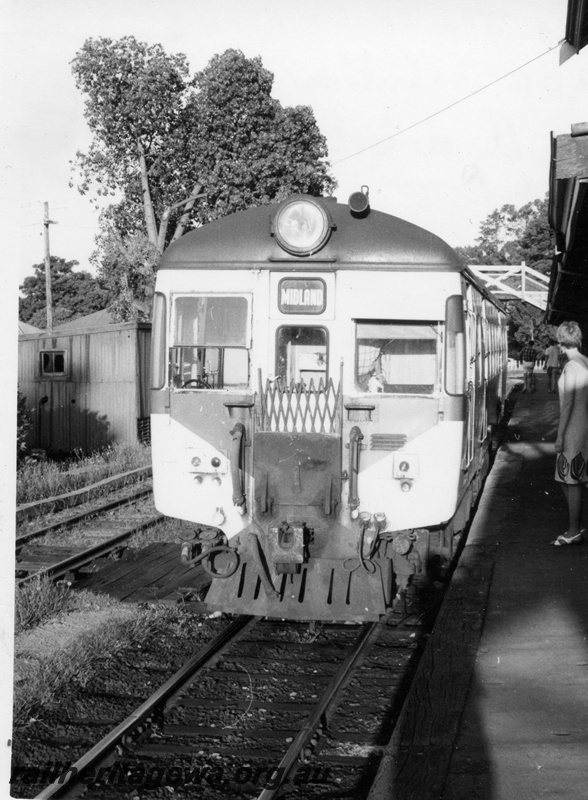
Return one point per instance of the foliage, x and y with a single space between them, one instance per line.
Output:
511 236
251 150
24 422
174 152
136 98
127 269
73 294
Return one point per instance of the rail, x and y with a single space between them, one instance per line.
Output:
172 687
77 496
75 562
23 538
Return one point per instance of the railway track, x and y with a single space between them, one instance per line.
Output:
70 540
266 709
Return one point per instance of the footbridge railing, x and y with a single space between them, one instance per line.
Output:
510 281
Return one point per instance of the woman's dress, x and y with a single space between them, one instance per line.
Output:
571 465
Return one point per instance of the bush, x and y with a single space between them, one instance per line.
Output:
24 423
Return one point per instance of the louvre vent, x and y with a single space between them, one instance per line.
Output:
387 441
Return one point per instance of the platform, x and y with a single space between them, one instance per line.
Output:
499 708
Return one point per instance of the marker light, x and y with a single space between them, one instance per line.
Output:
302 227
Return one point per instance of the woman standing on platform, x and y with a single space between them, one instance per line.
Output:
571 444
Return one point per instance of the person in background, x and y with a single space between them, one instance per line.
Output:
552 355
528 356
571 444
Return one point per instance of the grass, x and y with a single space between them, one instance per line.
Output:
74 666
40 600
38 480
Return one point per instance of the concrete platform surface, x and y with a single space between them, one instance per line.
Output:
500 711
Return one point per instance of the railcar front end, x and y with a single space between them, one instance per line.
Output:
324 380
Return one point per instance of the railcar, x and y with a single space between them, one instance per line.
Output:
326 379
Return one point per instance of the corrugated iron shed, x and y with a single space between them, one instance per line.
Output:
86 383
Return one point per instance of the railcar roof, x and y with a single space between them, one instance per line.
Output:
369 242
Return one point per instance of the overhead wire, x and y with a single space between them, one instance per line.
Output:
451 105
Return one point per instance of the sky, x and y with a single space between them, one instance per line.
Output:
376 74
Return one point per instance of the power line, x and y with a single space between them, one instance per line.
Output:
451 105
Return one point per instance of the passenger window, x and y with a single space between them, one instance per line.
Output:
210 343
396 357
301 354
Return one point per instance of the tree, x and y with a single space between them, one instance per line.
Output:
251 150
128 266
179 152
511 236
136 98
74 294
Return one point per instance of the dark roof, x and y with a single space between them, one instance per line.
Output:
97 322
24 327
568 217
244 238
98 319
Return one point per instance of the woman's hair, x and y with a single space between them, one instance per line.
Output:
569 334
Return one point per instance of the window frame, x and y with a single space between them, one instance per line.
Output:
173 344
182 388
325 376
209 295
54 376
438 326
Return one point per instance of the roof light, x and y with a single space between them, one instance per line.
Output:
302 227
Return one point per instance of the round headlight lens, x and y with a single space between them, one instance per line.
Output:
302 227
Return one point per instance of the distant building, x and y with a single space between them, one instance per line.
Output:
86 384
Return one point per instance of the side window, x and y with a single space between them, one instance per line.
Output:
158 331
210 343
53 363
301 354
396 357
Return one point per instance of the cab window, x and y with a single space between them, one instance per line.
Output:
210 343
302 354
396 357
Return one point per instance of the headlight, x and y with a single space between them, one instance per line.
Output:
302 227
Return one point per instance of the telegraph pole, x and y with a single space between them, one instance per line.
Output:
49 299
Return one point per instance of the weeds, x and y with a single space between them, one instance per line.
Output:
40 600
38 480
75 666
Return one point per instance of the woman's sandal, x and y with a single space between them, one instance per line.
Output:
563 540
